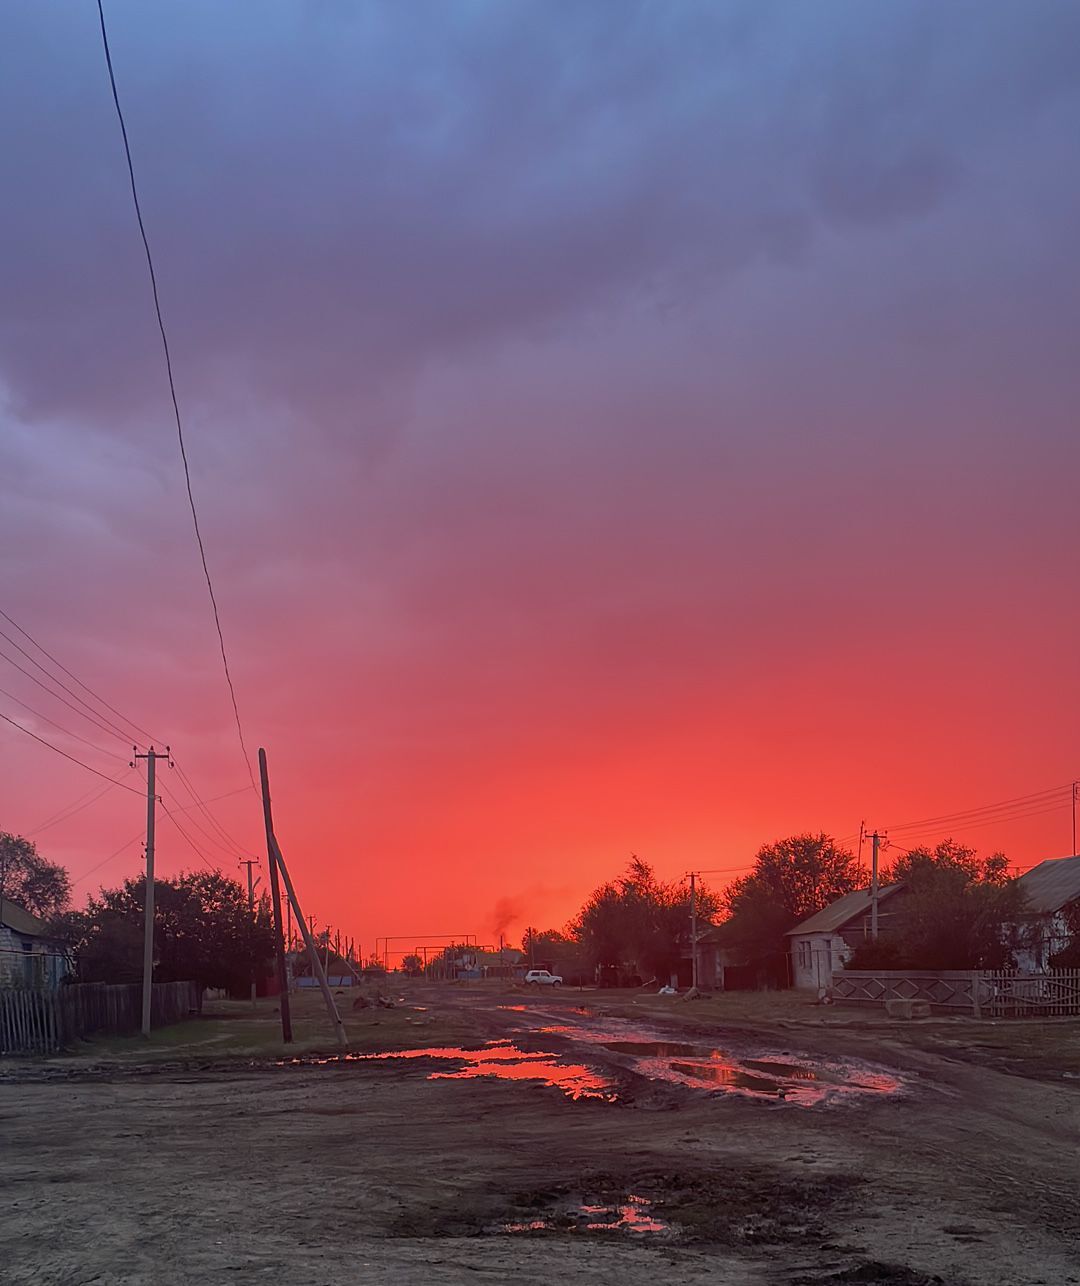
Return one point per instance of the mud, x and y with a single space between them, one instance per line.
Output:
371 1171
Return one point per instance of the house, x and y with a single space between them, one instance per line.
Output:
1052 890
29 955
731 957
822 944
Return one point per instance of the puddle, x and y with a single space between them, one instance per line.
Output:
801 1082
500 1060
635 1215
784 1077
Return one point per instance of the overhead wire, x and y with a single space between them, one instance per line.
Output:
97 866
207 862
211 817
73 809
986 809
90 717
109 754
56 750
85 686
172 388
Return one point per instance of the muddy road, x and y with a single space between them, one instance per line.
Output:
560 1142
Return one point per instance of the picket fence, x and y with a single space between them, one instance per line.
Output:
34 1021
998 993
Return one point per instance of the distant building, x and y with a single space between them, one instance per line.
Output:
29 955
821 945
1052 889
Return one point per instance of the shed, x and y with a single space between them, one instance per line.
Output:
821 945
1051 890
30 956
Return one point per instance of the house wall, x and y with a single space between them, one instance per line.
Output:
26 961
1043 938
815 957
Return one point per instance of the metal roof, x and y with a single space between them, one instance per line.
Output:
838 913
14 917
1051 885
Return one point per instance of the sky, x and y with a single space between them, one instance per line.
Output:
617 427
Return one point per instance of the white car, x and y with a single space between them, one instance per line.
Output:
542 978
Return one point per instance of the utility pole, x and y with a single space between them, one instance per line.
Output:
693 931
151 757
1075 794
275 901
249 863
874 885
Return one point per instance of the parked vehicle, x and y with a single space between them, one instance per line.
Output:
542 978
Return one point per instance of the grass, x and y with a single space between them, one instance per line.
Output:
232 1029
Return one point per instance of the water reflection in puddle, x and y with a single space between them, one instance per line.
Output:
701 1066
634 1215
504 1061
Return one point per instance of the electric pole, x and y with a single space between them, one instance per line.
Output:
275 902
693 931
874 885
1075 795
249 863
151 757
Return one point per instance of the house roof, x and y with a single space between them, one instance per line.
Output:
14 917
1051 885
838 913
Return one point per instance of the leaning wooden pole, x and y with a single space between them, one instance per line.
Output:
316 963
275 900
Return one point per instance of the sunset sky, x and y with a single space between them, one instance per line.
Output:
616 427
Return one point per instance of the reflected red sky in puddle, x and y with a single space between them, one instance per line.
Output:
504 1061
634 1215
803 1083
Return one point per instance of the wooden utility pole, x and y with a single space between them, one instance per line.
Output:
693 931
874 885
249 863
275 901
151 757
316 963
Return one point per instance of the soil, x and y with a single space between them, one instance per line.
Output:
368 1171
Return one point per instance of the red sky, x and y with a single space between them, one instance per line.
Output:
651 435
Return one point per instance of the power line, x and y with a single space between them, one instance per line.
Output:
93 717
172 388
85 686
185 781
56 749
1005 804
86 874
72 809
229 853
109 754
194 847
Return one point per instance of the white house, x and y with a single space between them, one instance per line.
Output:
29 957
1052 888
821 945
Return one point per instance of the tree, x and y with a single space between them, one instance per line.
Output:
639 921
412 965
203 932
560 952
27 879
791 879
958 911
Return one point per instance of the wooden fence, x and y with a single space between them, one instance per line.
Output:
1000 993
43 1022
1009 994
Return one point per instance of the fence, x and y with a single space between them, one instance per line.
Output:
1055 994
44 1022
1002 993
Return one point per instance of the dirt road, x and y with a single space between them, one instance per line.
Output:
567 1153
